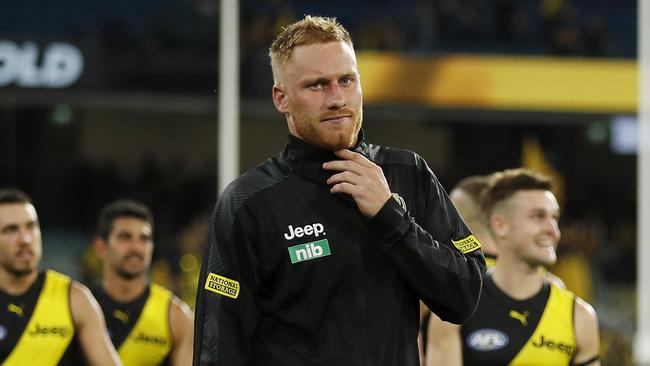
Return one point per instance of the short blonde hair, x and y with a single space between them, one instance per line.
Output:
310 30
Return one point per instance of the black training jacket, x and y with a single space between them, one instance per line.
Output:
296 275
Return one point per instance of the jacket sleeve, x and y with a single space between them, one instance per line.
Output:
436 255
226 311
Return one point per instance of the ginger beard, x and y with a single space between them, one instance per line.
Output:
327 134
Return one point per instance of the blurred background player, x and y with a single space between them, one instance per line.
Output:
42 312
522 318
148 324
466 196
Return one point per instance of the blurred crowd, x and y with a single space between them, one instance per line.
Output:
172 45
422 27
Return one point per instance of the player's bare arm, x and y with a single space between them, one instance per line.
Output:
443 343
181 320
360 178
587 335
91 328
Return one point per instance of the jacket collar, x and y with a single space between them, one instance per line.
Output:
308 159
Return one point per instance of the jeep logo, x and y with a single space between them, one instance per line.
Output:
55 330
568 349
151 339
315 229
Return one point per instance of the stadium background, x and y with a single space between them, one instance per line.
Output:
100 100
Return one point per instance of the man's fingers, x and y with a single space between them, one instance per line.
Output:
344 165
344 187
345 176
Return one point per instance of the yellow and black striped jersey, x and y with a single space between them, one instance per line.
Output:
535 331
140 329
36 328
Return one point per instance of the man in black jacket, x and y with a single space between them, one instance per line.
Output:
319 255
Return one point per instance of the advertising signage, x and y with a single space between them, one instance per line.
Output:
57 65
150 46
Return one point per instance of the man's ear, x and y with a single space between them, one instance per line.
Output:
498 225
280 99
100 246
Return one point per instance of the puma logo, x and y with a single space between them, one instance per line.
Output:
121 316
520 316
16 310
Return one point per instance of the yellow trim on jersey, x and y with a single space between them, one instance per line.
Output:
553 342
150 340
490 260
50 329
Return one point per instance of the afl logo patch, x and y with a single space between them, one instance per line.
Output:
3 332
487 340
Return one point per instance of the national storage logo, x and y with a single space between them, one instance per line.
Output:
222 285
468 244
308 251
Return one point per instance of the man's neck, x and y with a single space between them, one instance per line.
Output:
121 289
16 285
518 280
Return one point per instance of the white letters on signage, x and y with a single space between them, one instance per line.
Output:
60 66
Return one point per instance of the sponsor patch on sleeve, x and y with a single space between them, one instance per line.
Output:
468 244
222 285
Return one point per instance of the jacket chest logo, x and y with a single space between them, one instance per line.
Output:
308 251
316 229
311 250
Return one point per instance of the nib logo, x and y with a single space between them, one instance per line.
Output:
308 251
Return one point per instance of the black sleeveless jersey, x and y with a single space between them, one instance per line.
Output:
120 317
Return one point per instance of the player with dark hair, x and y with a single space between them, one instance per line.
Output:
45 317
148 325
